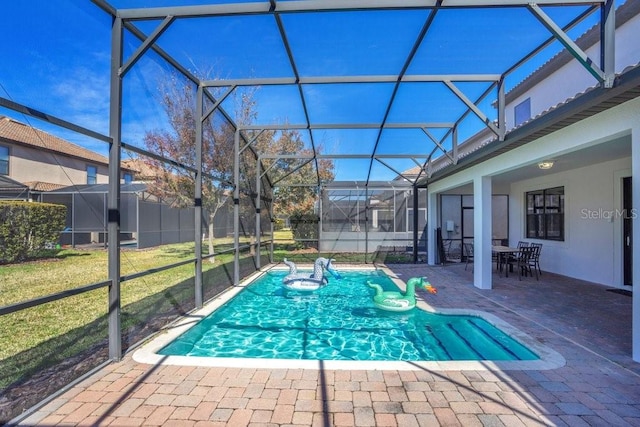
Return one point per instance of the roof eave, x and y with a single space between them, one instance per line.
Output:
626 87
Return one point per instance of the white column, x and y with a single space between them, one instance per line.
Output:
432 224
482 232
635 261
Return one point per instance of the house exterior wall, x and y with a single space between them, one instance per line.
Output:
573 78
592 249
27 164
591 228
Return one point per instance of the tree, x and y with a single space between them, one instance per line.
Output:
176 185
297 182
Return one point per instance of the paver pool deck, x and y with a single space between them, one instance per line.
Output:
589 326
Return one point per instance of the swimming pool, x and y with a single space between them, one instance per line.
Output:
339 323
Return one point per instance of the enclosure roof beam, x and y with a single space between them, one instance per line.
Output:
584 15
392 169
531 54
453 128
343 156
20 108
217 103
438 143
146 45
569 44
410 78
307 161
325 126
421 166
255 8
294 68
177 65
407 62
473 107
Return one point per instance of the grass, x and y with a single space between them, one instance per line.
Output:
283 235
28 328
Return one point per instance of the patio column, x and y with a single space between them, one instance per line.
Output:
482 232
432 225
635 260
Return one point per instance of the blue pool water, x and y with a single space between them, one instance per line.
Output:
339 322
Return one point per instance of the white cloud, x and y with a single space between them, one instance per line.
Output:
83 98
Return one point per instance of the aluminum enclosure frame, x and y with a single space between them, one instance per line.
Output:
125 18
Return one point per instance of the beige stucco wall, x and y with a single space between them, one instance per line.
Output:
27 164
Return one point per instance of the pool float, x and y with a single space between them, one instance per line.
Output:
308 282
397 301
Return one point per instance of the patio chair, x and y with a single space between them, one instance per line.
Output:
494 255
536 257
468 253
446 245
524 262
512 259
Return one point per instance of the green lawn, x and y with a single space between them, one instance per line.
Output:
282 235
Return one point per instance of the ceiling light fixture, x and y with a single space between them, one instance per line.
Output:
547 164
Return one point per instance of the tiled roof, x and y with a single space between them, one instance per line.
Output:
141 169
43 186
16 132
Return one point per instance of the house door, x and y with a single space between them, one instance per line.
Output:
627 224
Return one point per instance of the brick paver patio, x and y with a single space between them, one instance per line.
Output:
590 327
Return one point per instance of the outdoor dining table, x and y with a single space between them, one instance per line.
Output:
502 253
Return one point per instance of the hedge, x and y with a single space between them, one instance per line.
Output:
29 230
304 227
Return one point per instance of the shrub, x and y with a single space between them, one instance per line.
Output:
304 228
278 224
27 229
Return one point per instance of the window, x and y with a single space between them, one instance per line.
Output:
422 219
92 175
545 214
128 178
522 112
4 160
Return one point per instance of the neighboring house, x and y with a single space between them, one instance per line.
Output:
140 170
43 162
359 216
569 163
35 165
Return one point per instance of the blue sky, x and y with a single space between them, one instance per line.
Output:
58 63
